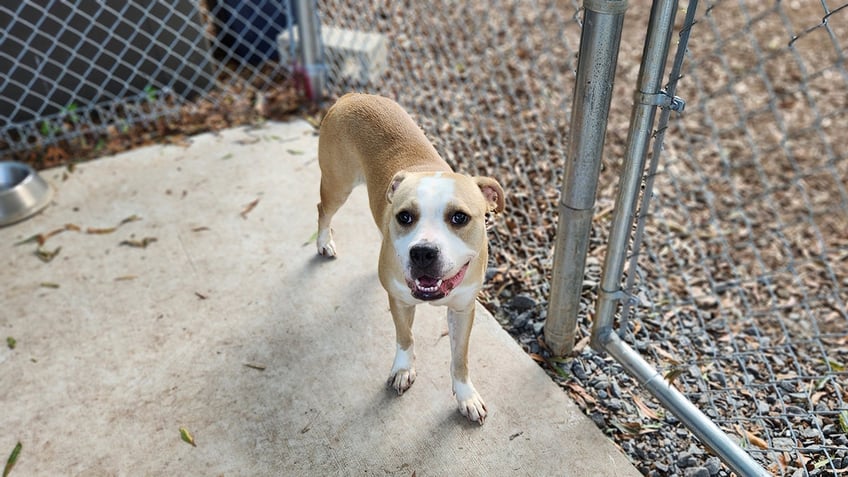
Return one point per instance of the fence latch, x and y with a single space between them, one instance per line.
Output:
661 99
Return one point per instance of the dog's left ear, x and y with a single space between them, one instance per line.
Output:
393 185
493 193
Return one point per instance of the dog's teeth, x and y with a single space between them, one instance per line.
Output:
439 283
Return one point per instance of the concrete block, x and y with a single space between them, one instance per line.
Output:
350 55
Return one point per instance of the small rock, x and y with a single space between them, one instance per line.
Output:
520 321
577 371
685 459
696 472
614 404
713 465
522 303
599 420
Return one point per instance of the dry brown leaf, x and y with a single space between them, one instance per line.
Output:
752 438
248 208
143 243
579 391
581 345
644 409
100 230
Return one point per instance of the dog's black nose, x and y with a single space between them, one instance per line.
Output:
423 256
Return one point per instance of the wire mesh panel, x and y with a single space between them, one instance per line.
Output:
79 72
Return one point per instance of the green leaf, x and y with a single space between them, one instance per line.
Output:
673 374
11 342
843 420
311 239
187 437
835 365
12 459
47 255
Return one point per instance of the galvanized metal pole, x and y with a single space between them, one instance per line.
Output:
648 97
599 45
311 69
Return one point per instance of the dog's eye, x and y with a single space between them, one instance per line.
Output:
459 218
405 218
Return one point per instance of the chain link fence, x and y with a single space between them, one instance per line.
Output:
80 74
740 283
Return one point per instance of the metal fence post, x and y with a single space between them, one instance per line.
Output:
599 45
311 69
648 97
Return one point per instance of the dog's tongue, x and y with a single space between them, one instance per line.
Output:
433 287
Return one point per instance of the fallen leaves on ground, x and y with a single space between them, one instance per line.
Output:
247 208
754 439
186 436
138 243
13 458
45 255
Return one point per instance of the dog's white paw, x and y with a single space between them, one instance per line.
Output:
401 380
326 244
470 403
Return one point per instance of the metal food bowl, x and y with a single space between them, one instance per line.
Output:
22 192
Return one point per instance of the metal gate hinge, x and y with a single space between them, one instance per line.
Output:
661 99
624 297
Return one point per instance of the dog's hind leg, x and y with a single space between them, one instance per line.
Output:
331 201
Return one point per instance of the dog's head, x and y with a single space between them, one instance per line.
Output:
438 228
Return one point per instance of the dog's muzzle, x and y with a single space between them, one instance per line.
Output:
427 281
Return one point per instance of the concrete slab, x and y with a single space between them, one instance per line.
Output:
232 327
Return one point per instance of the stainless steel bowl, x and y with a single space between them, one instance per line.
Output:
22 192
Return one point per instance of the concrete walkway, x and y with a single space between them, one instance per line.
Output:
230 326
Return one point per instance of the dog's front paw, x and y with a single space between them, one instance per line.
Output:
470 403
401 380
326 244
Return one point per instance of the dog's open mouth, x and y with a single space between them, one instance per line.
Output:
432 288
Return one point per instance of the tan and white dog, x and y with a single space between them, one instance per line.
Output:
433 223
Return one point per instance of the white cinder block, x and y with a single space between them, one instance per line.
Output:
350 55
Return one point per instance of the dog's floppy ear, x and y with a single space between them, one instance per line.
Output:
493 193
393 185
